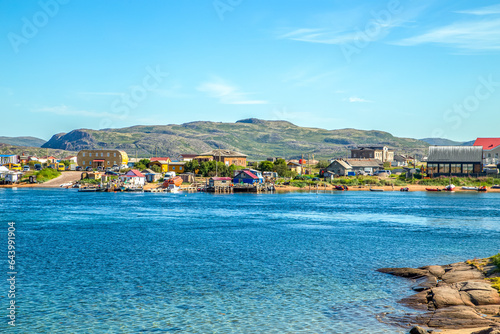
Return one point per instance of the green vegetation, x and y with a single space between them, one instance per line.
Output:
495 259
46 174
210 168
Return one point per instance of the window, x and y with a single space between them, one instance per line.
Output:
108 162
467 168
432 168
115 155
489 155
180 168
456 168
83 162
108 154
444 168
83 153
102 154
90 155
173 168
114 162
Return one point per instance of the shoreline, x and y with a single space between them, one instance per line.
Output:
457 298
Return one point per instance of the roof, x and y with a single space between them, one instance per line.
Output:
293 163
189 155
219 178
148 171
161 162
7 155
455 154
342 163
372 147
177 163
224 153
134 173
364 162
487 143
159 159
248 173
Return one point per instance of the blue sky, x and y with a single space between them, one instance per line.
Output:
412 68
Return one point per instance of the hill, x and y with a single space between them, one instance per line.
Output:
22 141
257 138
446 142
36 151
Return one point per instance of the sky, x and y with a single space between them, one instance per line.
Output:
412 68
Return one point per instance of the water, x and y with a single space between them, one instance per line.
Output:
202 263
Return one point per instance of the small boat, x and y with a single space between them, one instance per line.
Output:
372 189
449 187
483 188
67 184
172 188
496 186
87 189
432 189
404 189
470 188
341 187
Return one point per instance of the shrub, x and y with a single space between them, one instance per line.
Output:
47 174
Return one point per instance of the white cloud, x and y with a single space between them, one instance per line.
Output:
488 10
354 99
470 35
227 94
63 110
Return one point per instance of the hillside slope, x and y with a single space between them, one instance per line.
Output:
22 141
257 138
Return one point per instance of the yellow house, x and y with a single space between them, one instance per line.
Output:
163 164
177 167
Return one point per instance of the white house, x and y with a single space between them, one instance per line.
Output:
134 177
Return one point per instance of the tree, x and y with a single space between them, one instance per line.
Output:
156 168
322 164
192 166
145 162
139 166
266 166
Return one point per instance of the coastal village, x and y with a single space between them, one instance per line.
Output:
369 167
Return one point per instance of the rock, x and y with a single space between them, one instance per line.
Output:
437 271
492 330
418 330
489 309
460 273
424 283
417 301
446 296
405 272
480 293
457 317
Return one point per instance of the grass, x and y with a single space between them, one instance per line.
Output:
47 174
495 282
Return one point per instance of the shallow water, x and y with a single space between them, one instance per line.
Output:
242 263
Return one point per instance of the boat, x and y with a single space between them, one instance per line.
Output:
432 189
67 184
483 188
341 187
470 188
496 186
177 181
372 189
404 189
449 187
87 189
172 188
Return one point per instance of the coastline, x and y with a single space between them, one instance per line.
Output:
457 298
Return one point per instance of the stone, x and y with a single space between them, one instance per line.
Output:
417 330
437 271
462 273
405 272
446 296
457 317
492 330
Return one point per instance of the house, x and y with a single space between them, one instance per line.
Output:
219 181
187 157
329 175
454 161
294 166
134 177
48 159
400 160
101 158
167 159
162 164
368 166
150 175
71 159
491 150
188 177
24 159
382 153
228 157
176 166
8 159
3 171
338 167
13 177
246 176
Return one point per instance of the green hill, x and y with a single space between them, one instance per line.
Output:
22 141
36 151
257 138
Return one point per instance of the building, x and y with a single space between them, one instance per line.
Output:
228 157
71 159
338 167
134 177
8 159
382 153
101 158
188 177
295 167
491 150
176 166
150 175
400 160
187 157
367 166
455 161
48 159
219 182
163 164
246 176
167 159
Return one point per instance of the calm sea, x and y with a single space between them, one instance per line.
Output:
202 263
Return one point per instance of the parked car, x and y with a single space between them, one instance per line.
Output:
88 169
26 168
38 167
388 172
115 168
78 168
100 169
315 178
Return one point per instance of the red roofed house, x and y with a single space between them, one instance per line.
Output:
167 159
491 150
134 177
246 176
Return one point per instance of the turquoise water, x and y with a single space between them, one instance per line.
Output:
202 263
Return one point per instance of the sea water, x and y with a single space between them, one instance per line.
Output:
235 263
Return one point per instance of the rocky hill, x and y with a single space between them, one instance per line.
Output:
257 138
446 142
36 151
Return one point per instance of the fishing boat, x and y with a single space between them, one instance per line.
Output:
432 189
470 188
373 189
177 181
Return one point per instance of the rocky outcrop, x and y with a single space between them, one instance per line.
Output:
74 141
454 296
